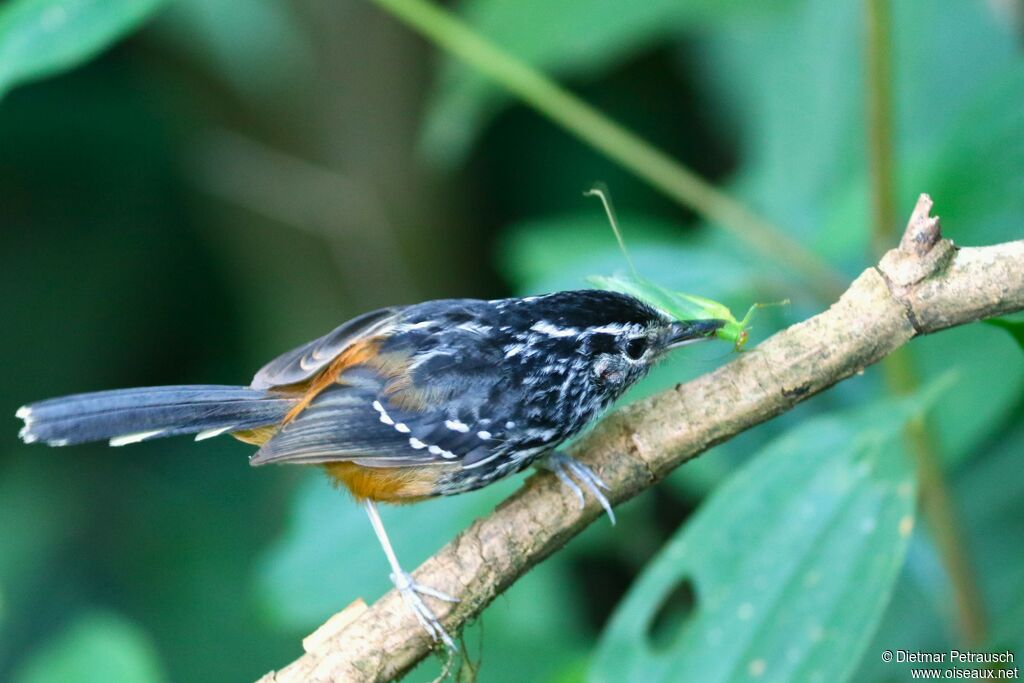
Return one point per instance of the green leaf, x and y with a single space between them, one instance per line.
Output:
40 38
99 647
1014 327
990 509
563 38
257 46
988 373
785 570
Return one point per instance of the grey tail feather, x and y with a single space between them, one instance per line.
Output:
125 416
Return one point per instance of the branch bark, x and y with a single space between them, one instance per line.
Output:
924 286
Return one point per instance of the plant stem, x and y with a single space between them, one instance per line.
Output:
898 369
879 124
937 504
619 144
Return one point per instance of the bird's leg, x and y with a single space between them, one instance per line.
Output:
407 587
563 465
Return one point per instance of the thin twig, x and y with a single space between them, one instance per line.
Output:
911 292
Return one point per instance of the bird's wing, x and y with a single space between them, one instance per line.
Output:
371 414
304 362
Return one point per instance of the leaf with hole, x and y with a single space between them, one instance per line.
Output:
40 38
784 572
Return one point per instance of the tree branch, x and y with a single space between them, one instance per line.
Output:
924 286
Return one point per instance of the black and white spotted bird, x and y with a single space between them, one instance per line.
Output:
407 403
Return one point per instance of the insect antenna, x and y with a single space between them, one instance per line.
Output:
601 191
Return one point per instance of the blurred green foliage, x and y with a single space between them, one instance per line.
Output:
1014 327
40 38
787 596
143 244
97 647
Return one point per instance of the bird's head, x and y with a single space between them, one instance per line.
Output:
608 339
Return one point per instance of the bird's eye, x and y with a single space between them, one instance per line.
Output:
637 347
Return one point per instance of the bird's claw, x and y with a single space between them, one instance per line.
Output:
411 591
562 465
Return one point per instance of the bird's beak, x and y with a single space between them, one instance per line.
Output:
685 332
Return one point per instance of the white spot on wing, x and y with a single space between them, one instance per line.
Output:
437 450
384 417
483 434
126 439
402 427
416 443
456 426
24 413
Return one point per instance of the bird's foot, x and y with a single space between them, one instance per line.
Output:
411 591
562 465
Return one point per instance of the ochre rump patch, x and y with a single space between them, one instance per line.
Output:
385 484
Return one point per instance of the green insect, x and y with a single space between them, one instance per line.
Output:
678 305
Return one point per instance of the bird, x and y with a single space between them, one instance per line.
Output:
406 403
